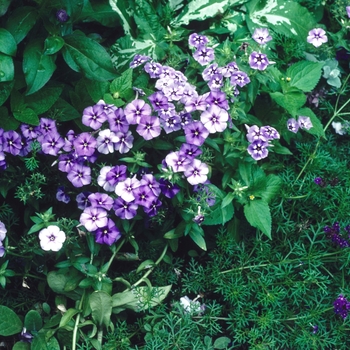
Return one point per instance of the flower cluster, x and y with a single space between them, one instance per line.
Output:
323 182
341 306
3 232
333 233
203 54
259 139
303 123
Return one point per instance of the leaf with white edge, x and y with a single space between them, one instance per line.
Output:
257 213
317 127
121 8
305 75
200 10
284 17
196 235
10 323
101 307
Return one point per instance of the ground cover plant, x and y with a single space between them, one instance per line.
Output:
174 174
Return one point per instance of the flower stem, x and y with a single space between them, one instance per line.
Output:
75 330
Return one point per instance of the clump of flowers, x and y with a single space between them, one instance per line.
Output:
333 233
341 306
3 232
302 122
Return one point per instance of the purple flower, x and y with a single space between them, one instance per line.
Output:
124 210
153 69
51 143
196 133
333 233
61 195
254 133
46 125
124 142
171 124
168 189
173 91
101 200
261 36
3 231
190 151
149 127
341 306
85 144
79 175
197 40
177 161
216 82
314 329
197 172
116 174
269 132
126 189
152 210
215 119
211 71
258 149
29 131
65 162
292 125
196 103
93 218
2 250
198 219
107 108
348 10
319 181
229 69
149 181
317 37
83 200
105 141
204 191
239 78
258 61
62 16
138 60
117 121
305 122
68 141
135 110
204 55
94 116
11 142
158 101
144 196
217 98
108 234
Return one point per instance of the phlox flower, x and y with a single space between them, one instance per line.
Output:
108 234
123 142
3 231
153 69
348 10
11 142
305 122
239 78
168 189
93 218
79 175
61 195
261 36
317 37
117 121
51 238
51 143
197 40
196 133
254 133
292 125
204 55
125 189
138 60
149 127
217 98
171 124
214 119
94 116
258 149
105 141
84 144
101 200
177 161
258 61
135 110
196 173
82 200
125 210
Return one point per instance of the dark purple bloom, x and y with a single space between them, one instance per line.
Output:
333 233
149 127
61 195
25 336
144 196
319 181
135 110
101 200
83 200
196 133
125 210
258 149
261 36
94 116
11 142
93 218
217 98
204 55
51 143
108 234
79 175
107 108
153 69
239 78
197 40
65 162
190 151
152 210
171 124
138 60
149 181
29 131
116 174
117 121
198 219
62 16
314 329
292 125
158 101
204 192
341 306
258 61
168 189
46 125
85 144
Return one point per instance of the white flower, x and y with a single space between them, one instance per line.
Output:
192 306
52 238
338 128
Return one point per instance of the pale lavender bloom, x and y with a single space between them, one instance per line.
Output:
196 103
29 131
152 210
215 119
149 127
3 231
83 200
3 164
94 116
51 238
162 83
61 195
125 210
85 144
216 82
217 98
51 143
305 122
168 189
153 69
107 108
197 40
348 10
117 121
167 72
138 60
158 101
102 179
258 149
68 141
170 124
125 189
116 174
210 71
93 218
65 162
197 172
11 142
229 69
269 132
108 234
149 181
2 250
167 112
292 125
261 36
135 110
124 142
101 200
239 78
254 133
196 133
317 37
45 126
190 151
188 93
105 141
173 91
177 161
79 175
144 196
204 55
258 61
180 78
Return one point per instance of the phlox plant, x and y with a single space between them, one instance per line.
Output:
196 199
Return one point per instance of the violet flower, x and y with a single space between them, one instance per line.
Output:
168 189
305 122
61 195
210 71
229 69
204 55
123 142
85 144
153 208
66 162
348 10
144 196
149 181
29 131
214 119
196 173
258 149
317 37
196 133
126 189
62 16
135 110
171 124
52 143
197 40
93 218
153 69
258 61
94 116
138 60
124 210
239 78
11 142
292 125
101 200
269 132
173 91
216 82
117 121
177 161
261 36
254 133
82 200
79 175
196 103
116 174
341 306
105 141
45 126
108 234
217 98
158 101
149 127
190 151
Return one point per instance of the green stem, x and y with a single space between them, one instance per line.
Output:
100 336
30 275
114 254
75 330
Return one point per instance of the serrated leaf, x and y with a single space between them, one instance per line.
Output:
219 216
257 213
317 127
290 101
37 67
7 69
85 55
8 43
305 75
10 323
122 84
101 307
97 89
273 186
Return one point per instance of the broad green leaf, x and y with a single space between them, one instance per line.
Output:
33 321
5 91
305 75
21 346
64 111
4 4
279 149
227 200
101 307
97 89
21 22
200 10
67 316
101 12
219 216
37 67
27 115
196 235
7 122
122 84
53 44
317 127
290 101
88 57
272 189
10 323
284 17
39 342
222 343
8 43
257 213
59 280
42 100
7 69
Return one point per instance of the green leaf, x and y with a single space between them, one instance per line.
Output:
7 70
42 100
147 264
27 116
196 235
53 44
227 200
97 89
101 307
21 22
219 216
122 84
64 111
290 101
39 342
121 8
222 343
257 213
279 149
85 55
67 316
7 122
33 321
8 43
5 91
317 127
21 346
37 67
273 187
10 323
305 75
